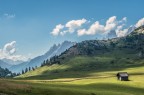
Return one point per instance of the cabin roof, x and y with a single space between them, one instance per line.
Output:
123 74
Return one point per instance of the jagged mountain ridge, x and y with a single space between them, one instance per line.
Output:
54 50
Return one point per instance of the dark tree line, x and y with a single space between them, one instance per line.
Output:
28 69
6 73
53 60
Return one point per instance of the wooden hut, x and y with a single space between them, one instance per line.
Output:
123 76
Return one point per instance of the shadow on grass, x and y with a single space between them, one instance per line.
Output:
81 74
84 70
118 88
96 88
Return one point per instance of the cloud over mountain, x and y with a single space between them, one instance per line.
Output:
57 30
74 24
9 48
77 26
112 24
8 52
140 22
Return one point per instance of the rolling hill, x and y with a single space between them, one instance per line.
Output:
92 56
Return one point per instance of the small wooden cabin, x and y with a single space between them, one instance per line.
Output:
123 76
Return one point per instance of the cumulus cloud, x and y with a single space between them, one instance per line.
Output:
140 23
94 28
111 20
70 26
111 24
9 48
8 52
74 24
57 29
121 33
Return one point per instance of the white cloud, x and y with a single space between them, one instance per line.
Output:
121 33
63 32
140 23
74 24
111 24
9 16
9 48
111 20
8 52
94 28
57 29
81 32
71 27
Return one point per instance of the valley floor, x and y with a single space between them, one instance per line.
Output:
102 83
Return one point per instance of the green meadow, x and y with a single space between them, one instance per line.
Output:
104 83
81 75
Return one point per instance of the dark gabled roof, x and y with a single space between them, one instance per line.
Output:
123 74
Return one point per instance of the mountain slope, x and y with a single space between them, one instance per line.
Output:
92 56
11 62
4 64
54 50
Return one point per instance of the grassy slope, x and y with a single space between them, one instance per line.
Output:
100 83
84 66
82 75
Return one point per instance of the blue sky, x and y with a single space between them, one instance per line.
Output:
30 23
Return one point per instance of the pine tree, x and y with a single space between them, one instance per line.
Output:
47 62
23 72
26 70
29 68
44 63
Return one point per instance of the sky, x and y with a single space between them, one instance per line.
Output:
28 28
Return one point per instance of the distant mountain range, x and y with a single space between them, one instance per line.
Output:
4 64
11 62
54 50
7 63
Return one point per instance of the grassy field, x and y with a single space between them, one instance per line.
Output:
85 66
97 83
81 75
